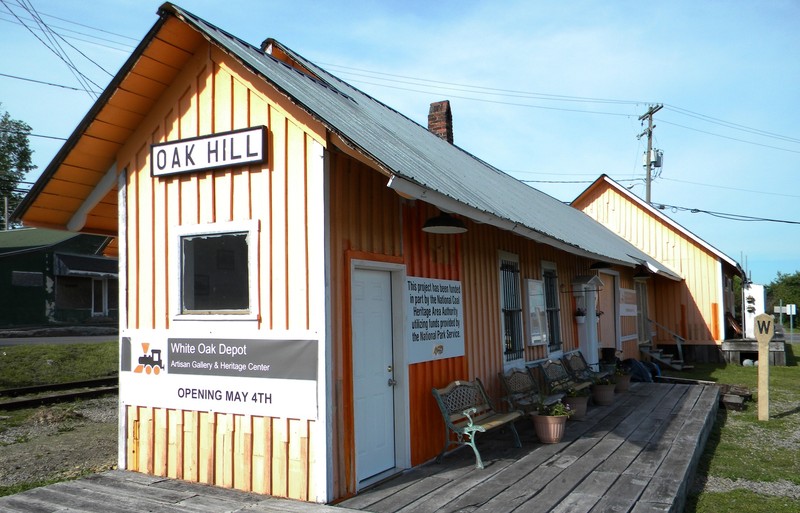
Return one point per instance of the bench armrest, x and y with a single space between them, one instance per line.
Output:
468 414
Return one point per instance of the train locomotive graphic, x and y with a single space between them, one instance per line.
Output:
149 363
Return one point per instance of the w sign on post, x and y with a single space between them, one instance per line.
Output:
765 329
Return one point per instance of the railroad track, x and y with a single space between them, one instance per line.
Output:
30 397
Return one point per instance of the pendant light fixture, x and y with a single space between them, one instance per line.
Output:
444 223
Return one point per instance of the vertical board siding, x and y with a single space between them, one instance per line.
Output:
688 309
435 256
365 220
266 455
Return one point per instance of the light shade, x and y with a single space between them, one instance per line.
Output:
444 223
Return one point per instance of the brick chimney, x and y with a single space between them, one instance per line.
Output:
440 120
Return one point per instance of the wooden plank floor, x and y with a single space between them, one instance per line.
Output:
119 491
637 455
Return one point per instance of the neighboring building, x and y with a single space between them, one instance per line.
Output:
55 277
701 306
291 290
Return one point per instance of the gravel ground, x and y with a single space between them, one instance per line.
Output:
58 442
722 484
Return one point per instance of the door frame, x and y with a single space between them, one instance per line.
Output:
402 442
615 279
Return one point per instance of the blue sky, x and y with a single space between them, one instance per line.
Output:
548 91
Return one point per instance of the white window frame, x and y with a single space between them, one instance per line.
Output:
249 227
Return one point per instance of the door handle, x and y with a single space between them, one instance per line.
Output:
392 382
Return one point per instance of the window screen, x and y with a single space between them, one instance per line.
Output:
215 273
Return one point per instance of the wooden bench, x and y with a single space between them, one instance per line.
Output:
522 391
467 411
580 370
557 378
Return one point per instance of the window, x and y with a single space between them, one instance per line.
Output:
537 313
553 309
73 292
215 270
511 307
27 279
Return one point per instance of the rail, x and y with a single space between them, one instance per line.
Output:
38 395
679 340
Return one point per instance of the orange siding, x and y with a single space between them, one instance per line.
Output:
365 223
369 221
686 308
267 455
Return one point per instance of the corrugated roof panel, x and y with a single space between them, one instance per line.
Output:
410 151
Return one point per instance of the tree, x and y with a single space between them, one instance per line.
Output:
15 161
785 288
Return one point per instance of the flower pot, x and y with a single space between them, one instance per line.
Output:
578 405
603 395
580 319
623 382
549 428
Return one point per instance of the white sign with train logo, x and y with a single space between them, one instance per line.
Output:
265 377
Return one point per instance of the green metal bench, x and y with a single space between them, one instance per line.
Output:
557 378
467 411
522 391
580 370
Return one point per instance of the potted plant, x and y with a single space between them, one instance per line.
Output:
580 315
622 378
603 391
549 422
577 401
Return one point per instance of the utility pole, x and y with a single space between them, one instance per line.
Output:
649 132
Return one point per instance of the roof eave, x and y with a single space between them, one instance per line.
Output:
88 119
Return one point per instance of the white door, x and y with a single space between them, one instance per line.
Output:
373 388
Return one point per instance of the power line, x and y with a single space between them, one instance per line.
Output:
729 124
33 135
729 137
480 89
497 102
723 215
42 82
56 36
546 96
122 46
581 181
91 27
717 186
82 79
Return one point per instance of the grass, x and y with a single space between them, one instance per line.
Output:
744 448
26 365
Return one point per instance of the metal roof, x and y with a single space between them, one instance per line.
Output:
409 151
84 265
26 238
418 162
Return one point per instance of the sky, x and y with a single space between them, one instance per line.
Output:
550 92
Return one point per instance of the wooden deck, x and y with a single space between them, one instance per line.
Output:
118 491
637 455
